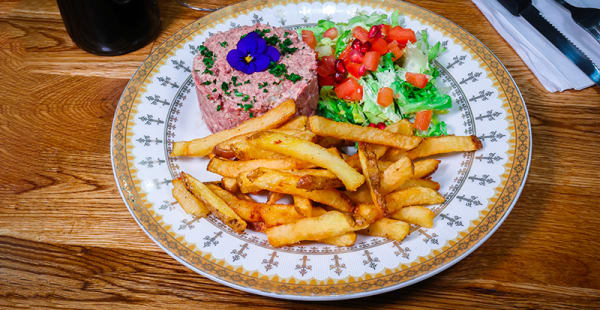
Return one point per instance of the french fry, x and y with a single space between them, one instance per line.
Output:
203 146
303 206
282 182
367 213
312 182
445 144
368 162
187 201
388 228
240 148
297 123
418 215
274 215
346 239
323 173
330 224
361 195
419 183
393 154
274 197
310 152
425 167
317 211
411 197
326 127
215 204
230 184
247 210
231 169
396 174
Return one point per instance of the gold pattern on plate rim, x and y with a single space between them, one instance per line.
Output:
505 193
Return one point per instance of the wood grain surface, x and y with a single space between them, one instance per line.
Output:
67 240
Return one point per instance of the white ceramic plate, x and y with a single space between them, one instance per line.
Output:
159 106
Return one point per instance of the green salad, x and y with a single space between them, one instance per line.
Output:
374 72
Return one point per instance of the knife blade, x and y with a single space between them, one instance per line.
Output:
525 9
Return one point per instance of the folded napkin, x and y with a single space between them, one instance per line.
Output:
551 67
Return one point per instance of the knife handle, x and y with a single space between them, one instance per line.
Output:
515 6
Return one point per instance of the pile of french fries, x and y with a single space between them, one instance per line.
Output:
379 191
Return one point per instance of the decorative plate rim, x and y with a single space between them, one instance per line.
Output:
161 51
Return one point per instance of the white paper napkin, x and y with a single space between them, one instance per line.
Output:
552 68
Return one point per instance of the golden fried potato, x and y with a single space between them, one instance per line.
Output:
445 144
231 168
346 239
203 146
243 150
190 204
418 215
297 123
230 184
312 182
247 210
310 152
367 213
330 224
329 128
411 197
282 182
368 162
277 214
303 206
274 197
388 228
419 183
396 174
215 204
361 195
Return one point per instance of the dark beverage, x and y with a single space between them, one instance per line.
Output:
110 27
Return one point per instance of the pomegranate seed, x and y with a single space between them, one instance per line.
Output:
356 44
375 32
340 77
356 56
362 70
365 47
373 125
381 126
339 66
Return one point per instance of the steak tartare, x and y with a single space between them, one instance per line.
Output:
228 96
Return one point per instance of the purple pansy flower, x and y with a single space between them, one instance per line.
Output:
252 54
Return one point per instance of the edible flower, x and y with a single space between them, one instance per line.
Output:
252 54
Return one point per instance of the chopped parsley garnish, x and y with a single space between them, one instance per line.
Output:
247 82
237 93
223 44
265 90
234 80
251 115
214 90
245 98
208 59
277 69
262 32
293 77
208 96
225 86
206 83
272 40
285 47
206 71
286 34
219 107
262 85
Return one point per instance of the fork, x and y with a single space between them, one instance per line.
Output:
587 18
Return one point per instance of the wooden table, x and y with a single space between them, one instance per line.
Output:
68 241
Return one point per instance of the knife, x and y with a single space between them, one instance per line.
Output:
525 9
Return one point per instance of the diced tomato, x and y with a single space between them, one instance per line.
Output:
309 38
331 33
417 79
380 46
326 80
422 119
385 29
326 66
346 52
395 50
355 69
385 97
355 56
371 60
360 33
402 35
349 90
